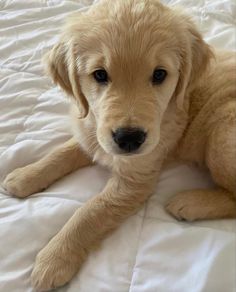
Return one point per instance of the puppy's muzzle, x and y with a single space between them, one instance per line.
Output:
129 139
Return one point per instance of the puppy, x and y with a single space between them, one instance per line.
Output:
144 87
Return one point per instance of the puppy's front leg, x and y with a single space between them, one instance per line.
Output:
60 260
37 176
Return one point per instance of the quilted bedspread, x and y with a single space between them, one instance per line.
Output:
151 251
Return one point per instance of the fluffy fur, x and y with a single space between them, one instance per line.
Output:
190 116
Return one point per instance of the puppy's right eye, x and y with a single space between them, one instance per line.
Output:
159 75
100 76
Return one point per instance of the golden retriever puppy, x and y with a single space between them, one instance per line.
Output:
144 87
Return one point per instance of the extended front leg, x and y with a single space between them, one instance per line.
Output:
60 260
37 176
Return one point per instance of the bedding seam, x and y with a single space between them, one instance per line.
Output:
138 246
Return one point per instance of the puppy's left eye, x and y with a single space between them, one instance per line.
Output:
159 75
100 76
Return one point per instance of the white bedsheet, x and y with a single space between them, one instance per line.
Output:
151 251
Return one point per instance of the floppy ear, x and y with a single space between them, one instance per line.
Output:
195 57
61 66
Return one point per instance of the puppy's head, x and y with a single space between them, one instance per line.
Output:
125 61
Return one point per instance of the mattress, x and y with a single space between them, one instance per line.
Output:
151 251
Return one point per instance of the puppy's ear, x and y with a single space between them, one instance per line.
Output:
195 58
61 66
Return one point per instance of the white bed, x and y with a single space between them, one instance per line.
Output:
151 251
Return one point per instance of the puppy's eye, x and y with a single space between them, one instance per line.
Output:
100 76
159 75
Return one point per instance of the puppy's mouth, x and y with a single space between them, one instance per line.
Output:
119 152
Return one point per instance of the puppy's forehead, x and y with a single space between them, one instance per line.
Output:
126 32
124 25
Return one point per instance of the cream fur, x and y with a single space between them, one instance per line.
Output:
191 116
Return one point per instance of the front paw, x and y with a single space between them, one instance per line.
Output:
54 267
23 182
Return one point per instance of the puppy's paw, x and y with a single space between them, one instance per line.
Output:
53 268
23 182
185 206
52 273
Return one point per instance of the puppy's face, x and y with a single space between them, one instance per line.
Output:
128 85
125 61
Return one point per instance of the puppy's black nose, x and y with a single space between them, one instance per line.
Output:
129 139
